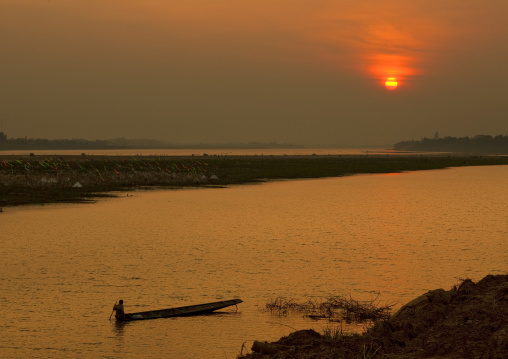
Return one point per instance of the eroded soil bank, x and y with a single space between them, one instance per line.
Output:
468 321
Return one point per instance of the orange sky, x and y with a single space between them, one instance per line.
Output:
235 68
379 38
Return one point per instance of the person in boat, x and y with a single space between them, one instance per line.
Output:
119 310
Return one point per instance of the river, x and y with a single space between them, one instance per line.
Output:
390 236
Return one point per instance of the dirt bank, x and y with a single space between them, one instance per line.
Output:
39 179
468 321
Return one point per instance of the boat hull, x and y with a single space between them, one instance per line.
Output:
189 310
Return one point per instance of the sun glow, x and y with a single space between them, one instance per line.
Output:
391 70
391 83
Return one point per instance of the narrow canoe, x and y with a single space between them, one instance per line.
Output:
180 311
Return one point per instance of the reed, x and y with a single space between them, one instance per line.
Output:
282 306
333 309
334 333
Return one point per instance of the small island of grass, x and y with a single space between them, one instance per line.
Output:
33 179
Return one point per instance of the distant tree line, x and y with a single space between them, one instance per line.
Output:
121 143
484 144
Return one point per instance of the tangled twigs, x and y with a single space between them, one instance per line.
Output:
337 308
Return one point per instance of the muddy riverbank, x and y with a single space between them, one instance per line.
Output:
468 321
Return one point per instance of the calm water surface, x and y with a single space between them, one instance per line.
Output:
64 266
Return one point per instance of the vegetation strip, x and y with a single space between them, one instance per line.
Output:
38 179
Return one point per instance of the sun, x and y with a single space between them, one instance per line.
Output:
391 83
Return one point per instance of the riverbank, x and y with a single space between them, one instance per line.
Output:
468 321
36 179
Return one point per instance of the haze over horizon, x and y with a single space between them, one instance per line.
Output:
308 72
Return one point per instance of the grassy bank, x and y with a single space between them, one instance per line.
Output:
38 179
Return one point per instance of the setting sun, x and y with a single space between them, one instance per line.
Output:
391 83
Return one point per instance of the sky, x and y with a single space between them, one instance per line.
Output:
309 72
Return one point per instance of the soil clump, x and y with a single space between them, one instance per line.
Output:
468 321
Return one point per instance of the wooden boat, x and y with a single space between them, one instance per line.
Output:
180 311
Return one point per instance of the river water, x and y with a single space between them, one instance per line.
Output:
393 235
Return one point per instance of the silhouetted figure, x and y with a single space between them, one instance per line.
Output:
119 310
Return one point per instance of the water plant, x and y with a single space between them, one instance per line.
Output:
334 333
334 309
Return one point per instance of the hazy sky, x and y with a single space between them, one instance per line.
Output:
300 71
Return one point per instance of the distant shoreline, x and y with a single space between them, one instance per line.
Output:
212 152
